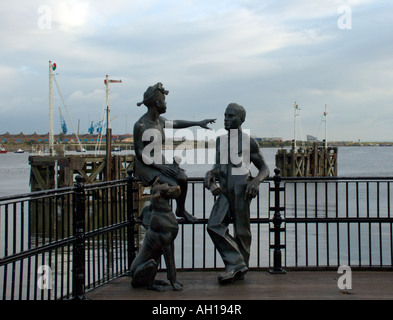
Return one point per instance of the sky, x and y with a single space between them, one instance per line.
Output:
264 55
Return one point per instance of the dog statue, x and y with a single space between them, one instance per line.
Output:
162 228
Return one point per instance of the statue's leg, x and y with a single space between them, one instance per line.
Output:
242 232
217 228
144 275
171 268
180 180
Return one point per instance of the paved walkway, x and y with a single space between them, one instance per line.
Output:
257 285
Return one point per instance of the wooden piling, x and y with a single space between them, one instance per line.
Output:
44 170
315 161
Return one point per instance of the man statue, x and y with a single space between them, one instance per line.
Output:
234 153
149 136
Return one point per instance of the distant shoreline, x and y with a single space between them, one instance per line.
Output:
89 146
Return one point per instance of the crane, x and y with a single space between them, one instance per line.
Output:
98 126
62 122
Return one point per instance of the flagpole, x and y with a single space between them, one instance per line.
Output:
325 114
294 126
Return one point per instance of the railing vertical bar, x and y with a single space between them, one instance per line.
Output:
50 240
258 234
13 251
285 229
130 219
269 216
110 236
28 248
121 232
358 215
380 226
182 246
391 226
193 225
62 213
115 232
327 224
103 236
56 249
337 228
107 245
306 224
316 225
124 230
36 245
93 239
204 229
348 225
35 276
124 237
121 209
69 233
5 282
22 247
89 203
98 237
369 224
277 221
43 239
78 258
296 235
119 262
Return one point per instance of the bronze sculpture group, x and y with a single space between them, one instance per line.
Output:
235 151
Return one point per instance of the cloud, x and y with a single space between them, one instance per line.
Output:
263 55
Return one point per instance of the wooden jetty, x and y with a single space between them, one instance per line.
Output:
49 172
315 161
256 285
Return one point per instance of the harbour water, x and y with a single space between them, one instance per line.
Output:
352 161
306 244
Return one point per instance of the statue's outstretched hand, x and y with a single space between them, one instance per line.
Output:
205 122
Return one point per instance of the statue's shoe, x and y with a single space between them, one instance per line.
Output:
234 273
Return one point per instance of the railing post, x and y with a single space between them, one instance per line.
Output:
78 260
130 218
277 220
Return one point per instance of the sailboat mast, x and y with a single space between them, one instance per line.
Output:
51 150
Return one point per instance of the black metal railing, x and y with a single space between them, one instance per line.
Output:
57 244
338 221
310 222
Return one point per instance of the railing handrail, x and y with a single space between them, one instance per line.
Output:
338 178
64 190
41 193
